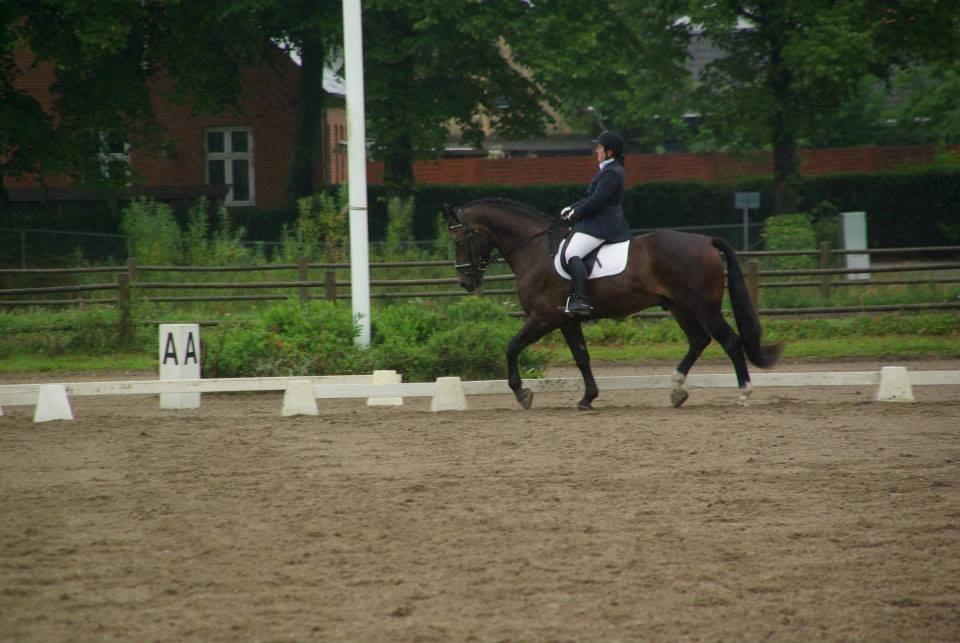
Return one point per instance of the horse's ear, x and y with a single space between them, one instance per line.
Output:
451 213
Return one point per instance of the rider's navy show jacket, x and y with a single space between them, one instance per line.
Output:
600 214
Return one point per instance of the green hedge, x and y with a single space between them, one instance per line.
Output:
421 339
914 208
903 209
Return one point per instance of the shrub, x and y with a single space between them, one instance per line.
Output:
152 231
292 338
223 247
398 245
420 340
320 231
790 232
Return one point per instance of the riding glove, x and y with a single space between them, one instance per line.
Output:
568 213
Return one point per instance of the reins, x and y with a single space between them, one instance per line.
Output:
479 266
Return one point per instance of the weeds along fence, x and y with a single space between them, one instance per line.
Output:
790 282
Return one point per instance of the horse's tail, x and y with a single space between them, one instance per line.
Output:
744 312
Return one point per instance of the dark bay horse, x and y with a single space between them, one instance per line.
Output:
679 271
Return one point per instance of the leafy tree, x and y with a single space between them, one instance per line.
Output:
313 29
791 64
430 63
791 70
931 113
609 64
105 54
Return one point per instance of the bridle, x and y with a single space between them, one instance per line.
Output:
477 267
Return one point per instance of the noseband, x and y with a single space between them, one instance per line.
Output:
476 267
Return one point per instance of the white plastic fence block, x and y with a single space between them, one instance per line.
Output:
52 404
894 385
448 395
298 399
386 377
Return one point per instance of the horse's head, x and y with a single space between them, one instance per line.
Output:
473 248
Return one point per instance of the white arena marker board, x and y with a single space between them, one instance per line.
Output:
179 360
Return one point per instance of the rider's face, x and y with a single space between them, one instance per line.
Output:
601 153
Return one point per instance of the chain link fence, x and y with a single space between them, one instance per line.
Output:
45 248
36 248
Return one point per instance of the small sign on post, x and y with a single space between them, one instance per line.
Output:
179 360
746 201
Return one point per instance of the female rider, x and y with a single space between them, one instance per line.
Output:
597 219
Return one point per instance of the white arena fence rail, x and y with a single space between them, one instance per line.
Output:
891 383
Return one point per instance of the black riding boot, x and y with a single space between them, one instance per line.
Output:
577 304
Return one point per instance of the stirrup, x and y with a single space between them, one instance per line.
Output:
577 307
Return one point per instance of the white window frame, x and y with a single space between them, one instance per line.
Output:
228 156
107 158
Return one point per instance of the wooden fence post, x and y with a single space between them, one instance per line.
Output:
330 285
125 328
824 264
753 281
304 275
132 270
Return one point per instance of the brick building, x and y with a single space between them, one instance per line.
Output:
242 155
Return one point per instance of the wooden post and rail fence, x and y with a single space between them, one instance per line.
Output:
131 284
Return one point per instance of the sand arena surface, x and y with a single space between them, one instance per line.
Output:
813 514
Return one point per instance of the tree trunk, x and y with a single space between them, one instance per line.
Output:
783 127
309 122
398 169
784 167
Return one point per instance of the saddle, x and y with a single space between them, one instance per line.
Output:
607 260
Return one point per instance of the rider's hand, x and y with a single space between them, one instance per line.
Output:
567 213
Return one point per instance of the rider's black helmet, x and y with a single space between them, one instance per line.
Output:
612 141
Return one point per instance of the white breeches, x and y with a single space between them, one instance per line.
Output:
581 245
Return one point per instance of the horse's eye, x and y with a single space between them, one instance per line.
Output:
459 243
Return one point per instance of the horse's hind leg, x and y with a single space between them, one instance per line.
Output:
721 331
531 332
573 333
698 339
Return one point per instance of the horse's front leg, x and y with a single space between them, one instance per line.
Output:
573 333
533 330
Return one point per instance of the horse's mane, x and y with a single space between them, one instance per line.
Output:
514 207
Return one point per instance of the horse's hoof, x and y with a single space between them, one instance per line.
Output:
525 398
745 392
583 405
678 397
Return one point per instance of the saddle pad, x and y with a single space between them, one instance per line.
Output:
611 260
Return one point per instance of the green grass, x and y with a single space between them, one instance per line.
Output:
78 362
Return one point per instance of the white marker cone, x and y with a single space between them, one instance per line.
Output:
894 385
448 395
298 399
52 404
386 377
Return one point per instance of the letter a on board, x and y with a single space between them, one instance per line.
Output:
191 350
170 349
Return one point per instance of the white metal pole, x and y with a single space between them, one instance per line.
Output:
357 168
